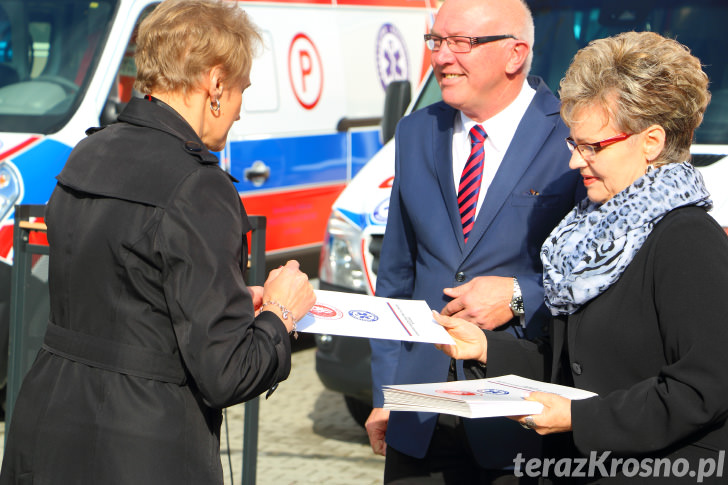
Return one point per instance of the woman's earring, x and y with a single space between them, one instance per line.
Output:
216 106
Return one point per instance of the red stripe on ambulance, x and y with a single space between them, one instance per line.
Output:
18 148
300 220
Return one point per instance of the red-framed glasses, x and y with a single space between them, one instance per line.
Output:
589 150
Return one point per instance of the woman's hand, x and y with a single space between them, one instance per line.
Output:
289 287
470 341
256 293
555 417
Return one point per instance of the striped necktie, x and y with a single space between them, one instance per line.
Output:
470 180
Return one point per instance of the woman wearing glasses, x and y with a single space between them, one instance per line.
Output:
636 275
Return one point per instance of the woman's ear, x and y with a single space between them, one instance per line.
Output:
653 142
215 82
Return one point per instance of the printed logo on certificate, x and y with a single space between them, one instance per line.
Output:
363 315
326 312
493 392
456 392
476 392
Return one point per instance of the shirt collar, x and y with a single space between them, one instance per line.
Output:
501 127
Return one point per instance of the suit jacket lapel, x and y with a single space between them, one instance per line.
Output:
527 142
442 132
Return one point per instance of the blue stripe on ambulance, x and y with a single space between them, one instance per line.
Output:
304 160
39 166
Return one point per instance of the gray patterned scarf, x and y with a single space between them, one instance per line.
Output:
593 245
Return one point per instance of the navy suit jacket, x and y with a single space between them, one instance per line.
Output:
424 251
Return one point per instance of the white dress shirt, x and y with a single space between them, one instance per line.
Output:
500 130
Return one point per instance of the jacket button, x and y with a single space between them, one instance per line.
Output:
460 277
576 368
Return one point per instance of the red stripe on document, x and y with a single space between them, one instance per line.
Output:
399 319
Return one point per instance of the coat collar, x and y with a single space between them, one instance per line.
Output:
158 115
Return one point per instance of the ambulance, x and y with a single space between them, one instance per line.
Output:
310 119
355 230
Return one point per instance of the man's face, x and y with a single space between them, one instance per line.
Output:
472 81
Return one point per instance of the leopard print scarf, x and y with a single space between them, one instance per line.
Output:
593 245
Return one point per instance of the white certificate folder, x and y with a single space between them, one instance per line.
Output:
355 315
477 398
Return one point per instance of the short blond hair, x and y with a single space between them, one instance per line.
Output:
651 80
181 40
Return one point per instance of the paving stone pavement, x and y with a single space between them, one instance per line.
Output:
306 435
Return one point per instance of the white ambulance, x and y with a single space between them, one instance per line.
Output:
355 230
310 119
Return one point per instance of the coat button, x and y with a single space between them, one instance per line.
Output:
576 368
460 277
193 146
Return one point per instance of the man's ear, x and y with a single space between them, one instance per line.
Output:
519 54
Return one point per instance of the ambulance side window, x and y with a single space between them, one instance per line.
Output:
262 95
8 74
122 89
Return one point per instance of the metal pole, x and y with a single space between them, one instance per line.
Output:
19 353
256 276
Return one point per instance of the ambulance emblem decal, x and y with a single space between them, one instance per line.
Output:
380 213
392 62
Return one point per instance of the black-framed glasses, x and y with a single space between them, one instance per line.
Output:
461 43
589 150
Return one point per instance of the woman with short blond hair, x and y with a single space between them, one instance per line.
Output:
152 328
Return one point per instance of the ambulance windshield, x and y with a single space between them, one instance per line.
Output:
48 51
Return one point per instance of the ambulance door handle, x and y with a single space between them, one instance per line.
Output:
257 173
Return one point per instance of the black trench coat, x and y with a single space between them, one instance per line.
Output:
152 329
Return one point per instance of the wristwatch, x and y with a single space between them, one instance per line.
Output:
516 303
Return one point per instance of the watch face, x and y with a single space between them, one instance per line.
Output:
516 303
517 306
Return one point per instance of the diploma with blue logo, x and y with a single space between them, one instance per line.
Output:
355 315
477 398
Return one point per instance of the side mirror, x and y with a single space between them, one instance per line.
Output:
110 112
396 100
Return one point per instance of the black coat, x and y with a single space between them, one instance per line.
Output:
654 346
152 326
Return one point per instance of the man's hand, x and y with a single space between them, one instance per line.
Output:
470 341
484 301
376 427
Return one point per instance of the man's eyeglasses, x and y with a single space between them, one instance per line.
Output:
589 150
461 43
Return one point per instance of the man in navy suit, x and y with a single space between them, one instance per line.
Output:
511 176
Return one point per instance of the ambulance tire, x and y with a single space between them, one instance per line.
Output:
359 410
